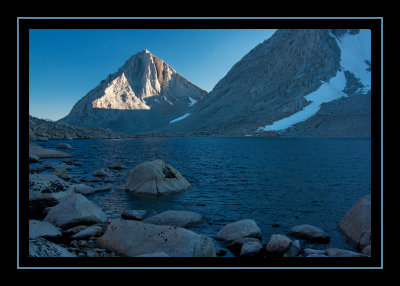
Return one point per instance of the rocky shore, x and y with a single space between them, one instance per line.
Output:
63 222
43 130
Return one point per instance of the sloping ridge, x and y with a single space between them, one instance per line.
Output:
279 78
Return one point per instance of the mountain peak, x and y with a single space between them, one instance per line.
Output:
146 51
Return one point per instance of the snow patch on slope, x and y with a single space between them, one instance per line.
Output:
355 52
325 93
180 118
192 101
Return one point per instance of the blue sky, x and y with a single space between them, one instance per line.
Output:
65 64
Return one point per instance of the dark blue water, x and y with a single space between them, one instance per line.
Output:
275 181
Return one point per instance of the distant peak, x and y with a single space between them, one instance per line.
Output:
146 51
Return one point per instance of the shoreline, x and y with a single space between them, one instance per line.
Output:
84 247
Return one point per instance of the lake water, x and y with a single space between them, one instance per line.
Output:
278 182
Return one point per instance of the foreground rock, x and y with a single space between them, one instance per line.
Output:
155 254
133 238
44 248
336 252
310 233
294 250
246 246
38 229
46 190
278 244
239 229
35 150
155 178
91 231
176 218
74 210
356 224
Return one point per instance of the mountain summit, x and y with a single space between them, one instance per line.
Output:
144 94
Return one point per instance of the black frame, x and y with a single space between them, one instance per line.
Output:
375 24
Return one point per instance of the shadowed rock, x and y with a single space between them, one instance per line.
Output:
310 233
133 238
356 224
176 218
239 229
74 210
44 248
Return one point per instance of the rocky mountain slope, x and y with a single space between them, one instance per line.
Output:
143 95
40 129
297 83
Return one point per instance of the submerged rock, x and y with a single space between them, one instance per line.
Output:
176 218
84 189
63 146
155 178
99 172
133 238
239 229
116 166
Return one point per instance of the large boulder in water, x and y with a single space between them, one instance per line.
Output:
74 210
155 178
133 238
356 224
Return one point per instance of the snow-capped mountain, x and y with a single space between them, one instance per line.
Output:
143 95
296 83
299 82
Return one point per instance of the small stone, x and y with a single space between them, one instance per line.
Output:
99 172
134 214
63 146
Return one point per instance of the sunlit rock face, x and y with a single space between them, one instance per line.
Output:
144 94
